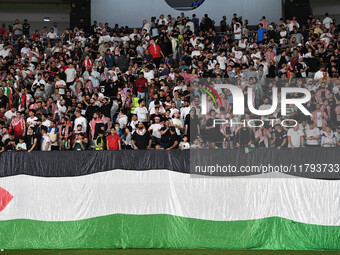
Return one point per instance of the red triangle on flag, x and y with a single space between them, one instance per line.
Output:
5 198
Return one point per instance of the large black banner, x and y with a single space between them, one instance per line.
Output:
318 163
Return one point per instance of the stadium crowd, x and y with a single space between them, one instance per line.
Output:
111 88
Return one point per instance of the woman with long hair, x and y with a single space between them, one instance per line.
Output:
191 124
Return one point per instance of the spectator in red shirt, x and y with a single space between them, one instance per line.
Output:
36 35
113 140
156 52
141 84
3 30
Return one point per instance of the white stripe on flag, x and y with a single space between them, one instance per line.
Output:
166 192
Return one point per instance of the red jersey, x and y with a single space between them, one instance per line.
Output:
141 84
155 51
112 140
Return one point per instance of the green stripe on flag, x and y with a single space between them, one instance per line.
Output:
166 231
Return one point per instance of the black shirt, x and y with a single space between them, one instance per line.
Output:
280 137
106 110
37 133
214 134
103 87
3 101
111 90
63 131
153 116
91 109
173 138
10 147
30 141
141 141
244 136
26 29
97 128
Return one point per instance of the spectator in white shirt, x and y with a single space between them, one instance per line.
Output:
25 51
38 82
5 51
61 108
45 121
327 21
156 130
45 141
237 32
70 74
146 26
11 113
52 35
141 111
312 135
80 120
149 74
328 138
222 60
295 137
184 145
161 19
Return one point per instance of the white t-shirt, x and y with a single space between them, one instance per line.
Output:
327 22
61 109
328 138
60 85
310 133
9 114
295 137
319 119
155 130
31 122
25 50
318 75
125 39
4 53
149 75
52 35
184 112
178 125
191 25
46 123
122 121
141 114
147 27
184 145
45 139
195 53
160 21
132 36
70 74
238 54
161 110
238 36
222 61
152 105
82 121
263 108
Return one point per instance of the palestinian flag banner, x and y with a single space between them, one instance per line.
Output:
76 87
148 199
12 79
8 93
22 102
